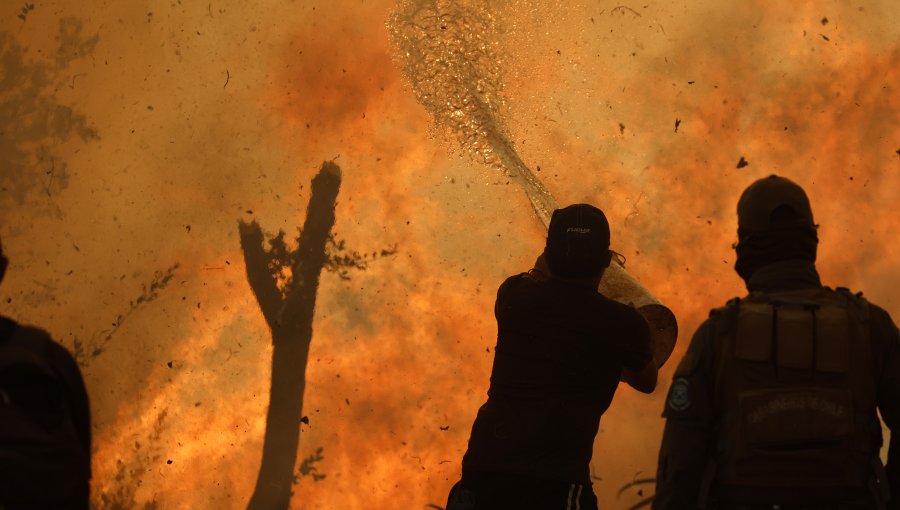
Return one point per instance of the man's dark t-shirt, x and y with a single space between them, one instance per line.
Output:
560 352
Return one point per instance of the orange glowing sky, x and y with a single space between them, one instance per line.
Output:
173 119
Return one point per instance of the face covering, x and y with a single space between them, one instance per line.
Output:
756 249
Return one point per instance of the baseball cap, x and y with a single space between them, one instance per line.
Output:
764 196
577 241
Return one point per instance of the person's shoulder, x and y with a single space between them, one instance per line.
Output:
719 319
513 286
881 326
861 306
31 333
867 309
521 280
705 341
880 313
14 329
512 281
36 339
726 311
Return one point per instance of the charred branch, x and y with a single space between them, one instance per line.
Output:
259 274
85 353
290 316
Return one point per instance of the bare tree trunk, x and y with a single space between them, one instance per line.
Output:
289 314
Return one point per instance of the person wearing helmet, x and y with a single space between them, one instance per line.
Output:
562 349
775 403
45 429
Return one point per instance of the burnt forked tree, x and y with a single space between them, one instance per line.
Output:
288 311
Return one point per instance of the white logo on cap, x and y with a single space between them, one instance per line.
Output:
578 230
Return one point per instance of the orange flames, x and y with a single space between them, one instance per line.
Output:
246 102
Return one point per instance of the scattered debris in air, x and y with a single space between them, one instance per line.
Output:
677 123
169 364
743 162
691 82
898 152
85 352
227 78
621 128
447 427
169 461
825 37
23 14
824 21
621 10
305 420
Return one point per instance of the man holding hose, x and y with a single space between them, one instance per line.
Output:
562 349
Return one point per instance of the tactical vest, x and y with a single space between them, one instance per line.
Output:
795 386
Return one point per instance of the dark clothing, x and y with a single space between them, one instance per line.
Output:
687 471
561 348
759 249
41 397
516 492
